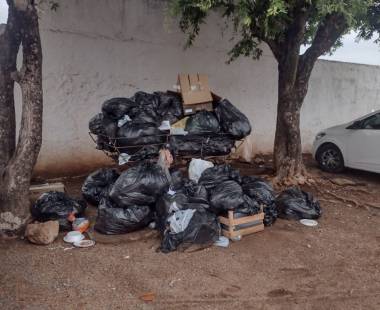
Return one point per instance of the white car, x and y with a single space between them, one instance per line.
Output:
354 145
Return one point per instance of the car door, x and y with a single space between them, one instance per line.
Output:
363 145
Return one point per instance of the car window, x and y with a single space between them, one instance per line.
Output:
372 122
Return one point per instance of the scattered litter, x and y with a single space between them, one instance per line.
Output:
343 182
81 224
152 225
84 243
222 242
171 192
124 158
310 223
178 131
165 160
73 236
68 249
237 238
171 283
165 125
148 296
125 119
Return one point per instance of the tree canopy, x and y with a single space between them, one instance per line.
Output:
275 22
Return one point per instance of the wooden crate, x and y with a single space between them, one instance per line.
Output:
231 230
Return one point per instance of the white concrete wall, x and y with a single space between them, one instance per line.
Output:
97 49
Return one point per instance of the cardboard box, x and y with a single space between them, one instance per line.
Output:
195 91
194 88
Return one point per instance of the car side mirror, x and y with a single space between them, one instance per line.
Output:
355 125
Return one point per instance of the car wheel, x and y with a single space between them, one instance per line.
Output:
330 158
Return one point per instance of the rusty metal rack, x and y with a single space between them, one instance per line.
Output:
114 150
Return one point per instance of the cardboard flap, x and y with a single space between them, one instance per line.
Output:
194 88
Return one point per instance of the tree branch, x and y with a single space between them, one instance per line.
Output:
274 48
290 46
329 31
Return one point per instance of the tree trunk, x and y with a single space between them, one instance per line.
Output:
287 146
15 177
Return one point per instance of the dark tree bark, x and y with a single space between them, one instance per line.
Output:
17 162
294 72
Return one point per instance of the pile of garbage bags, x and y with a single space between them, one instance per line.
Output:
183 208
138 127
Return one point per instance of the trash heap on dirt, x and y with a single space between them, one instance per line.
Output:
185 209
138 127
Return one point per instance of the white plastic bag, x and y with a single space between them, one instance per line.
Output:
125 119
124 158
180 220
196 168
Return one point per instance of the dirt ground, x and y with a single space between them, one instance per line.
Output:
288 266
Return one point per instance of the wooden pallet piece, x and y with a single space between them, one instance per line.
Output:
231 223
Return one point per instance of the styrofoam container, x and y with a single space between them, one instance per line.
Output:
73 236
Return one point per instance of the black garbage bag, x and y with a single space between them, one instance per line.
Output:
263 193
203 229
170 106
104 143
98 184
294 204
218 174
227 195
196 145
57 206
116 108
145 115
258 189
139 185
177 179
112 220
96 125
145 99
232 120
145 110
143 153
101 125
270 214
250 207
197 193
132 134
202 122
